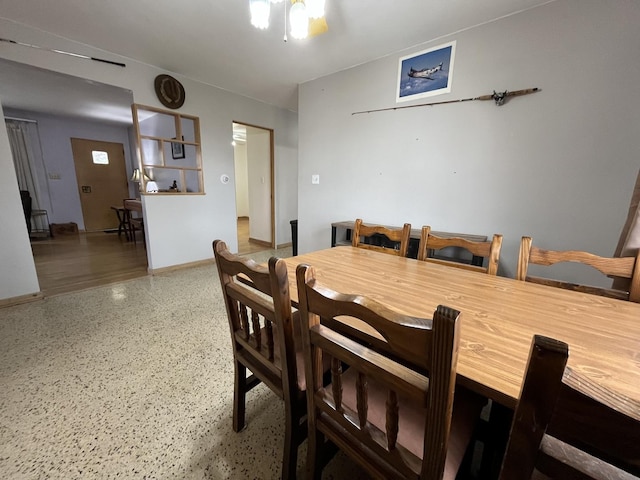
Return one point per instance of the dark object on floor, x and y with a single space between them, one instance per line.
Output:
25 196
294 236
70 228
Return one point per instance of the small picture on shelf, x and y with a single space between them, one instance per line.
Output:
177 150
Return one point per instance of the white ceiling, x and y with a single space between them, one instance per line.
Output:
213 41
38 90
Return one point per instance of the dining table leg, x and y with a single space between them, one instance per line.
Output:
495 439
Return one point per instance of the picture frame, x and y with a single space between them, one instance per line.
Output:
177 150
426 73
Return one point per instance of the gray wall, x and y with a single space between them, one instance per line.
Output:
558 165
59 196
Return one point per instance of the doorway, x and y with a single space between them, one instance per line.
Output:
64 107
254 180
102 181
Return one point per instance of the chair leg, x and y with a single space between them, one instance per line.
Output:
295 432
239 395
290 454
132 230
500 420
315 464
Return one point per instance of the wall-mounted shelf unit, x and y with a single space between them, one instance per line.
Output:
169 151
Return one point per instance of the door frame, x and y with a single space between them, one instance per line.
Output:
271 174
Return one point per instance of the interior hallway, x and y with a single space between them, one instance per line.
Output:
68 263
244 245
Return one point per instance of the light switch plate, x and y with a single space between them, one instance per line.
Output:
315 179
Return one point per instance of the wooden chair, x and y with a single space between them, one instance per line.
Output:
490 250
384 411
262 336
561 431
399 236
621 267
130 223
136 224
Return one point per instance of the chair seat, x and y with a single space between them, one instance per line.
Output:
466 410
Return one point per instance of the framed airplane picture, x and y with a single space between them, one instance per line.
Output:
426 73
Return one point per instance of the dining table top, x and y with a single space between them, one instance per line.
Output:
499 317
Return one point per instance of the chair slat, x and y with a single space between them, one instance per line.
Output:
362 400
336 382
626 270
392 420
269 330
244 321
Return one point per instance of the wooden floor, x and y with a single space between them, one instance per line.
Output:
244 245
67 263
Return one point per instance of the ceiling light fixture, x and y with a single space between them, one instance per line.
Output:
304 15
260 10
315 8
299 20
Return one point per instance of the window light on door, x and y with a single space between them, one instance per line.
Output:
100 158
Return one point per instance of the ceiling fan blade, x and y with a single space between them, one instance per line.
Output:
317 26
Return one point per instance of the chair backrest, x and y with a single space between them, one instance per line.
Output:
253 316
488 249
619 267
561 430
398 236
415 346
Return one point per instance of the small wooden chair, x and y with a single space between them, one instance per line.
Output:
561 431
620 267
136 224
384 411
130 223
490 250
399 236
262 336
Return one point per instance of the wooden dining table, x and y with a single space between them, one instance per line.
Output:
499 317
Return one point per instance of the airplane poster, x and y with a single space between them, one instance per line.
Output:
426 73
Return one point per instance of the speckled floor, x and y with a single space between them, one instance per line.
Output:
134 380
